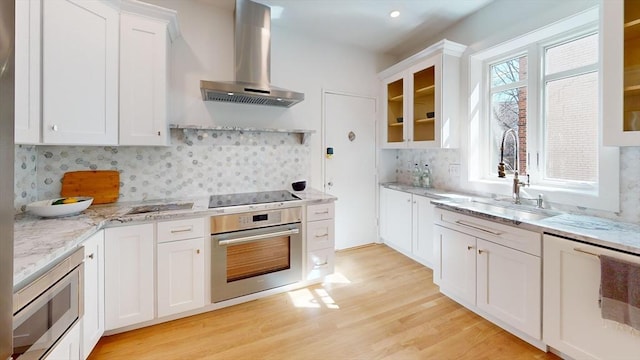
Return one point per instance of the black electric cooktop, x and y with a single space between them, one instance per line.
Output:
261 197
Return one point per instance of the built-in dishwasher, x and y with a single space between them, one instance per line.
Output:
255 251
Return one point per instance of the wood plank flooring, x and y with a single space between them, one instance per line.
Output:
380 305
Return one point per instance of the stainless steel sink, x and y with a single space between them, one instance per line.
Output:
160 207
507 210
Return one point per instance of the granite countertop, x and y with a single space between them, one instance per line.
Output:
39 243
608 233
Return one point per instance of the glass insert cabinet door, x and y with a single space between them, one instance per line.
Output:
631 66
620 65
424 110
395 111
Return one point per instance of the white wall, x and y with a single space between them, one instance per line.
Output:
298 62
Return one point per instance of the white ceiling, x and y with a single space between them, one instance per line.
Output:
366 23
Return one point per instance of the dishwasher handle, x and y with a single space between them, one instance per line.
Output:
251 238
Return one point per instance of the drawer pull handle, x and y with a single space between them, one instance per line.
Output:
323 235
321 264
321 212
477 227
185 229
586 252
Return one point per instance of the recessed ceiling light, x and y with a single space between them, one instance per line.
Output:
394 13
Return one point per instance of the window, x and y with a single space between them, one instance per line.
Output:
534 109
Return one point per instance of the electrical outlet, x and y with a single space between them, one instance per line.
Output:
454 170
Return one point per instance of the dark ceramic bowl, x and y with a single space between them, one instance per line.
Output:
299 185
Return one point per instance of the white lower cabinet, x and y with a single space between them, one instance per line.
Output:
572 317
181 266
493 269
406 224
129 275
508 286
320 240
67 348
455 271
93 318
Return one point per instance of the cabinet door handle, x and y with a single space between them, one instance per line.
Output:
54 128
477 227
198 251
480 251
158 133
90 256
469 247
184 229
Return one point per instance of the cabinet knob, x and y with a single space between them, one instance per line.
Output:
54 127
90 256
469 247
480 251
198 251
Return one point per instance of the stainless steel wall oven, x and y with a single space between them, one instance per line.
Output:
47 308
255 251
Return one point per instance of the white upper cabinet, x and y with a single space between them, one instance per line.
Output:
145 41
421 95
79 72
27 72
620 76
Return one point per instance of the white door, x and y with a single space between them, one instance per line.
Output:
350 174
508 286
180 276
129 289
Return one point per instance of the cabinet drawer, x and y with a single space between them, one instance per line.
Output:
320 263
180 229
320 212
509 236
320 234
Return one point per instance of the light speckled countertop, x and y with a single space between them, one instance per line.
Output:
612 234
39 243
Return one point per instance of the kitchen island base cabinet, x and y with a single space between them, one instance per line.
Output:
129 275
93 318
572 316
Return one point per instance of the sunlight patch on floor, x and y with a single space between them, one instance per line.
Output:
312 298
336 278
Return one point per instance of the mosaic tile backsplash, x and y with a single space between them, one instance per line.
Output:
198 162
439 160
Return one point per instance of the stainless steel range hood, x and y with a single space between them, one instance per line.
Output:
252 63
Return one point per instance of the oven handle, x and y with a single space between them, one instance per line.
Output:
246 239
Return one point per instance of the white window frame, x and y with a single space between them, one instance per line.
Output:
605 194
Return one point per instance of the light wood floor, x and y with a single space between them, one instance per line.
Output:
383 305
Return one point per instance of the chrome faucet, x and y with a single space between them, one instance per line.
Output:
516 188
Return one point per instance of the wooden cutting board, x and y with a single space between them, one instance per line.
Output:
102 185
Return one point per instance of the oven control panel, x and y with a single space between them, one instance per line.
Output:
255 219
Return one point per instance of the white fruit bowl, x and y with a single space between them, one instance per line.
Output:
45 208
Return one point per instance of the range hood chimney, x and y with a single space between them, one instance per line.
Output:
252 63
